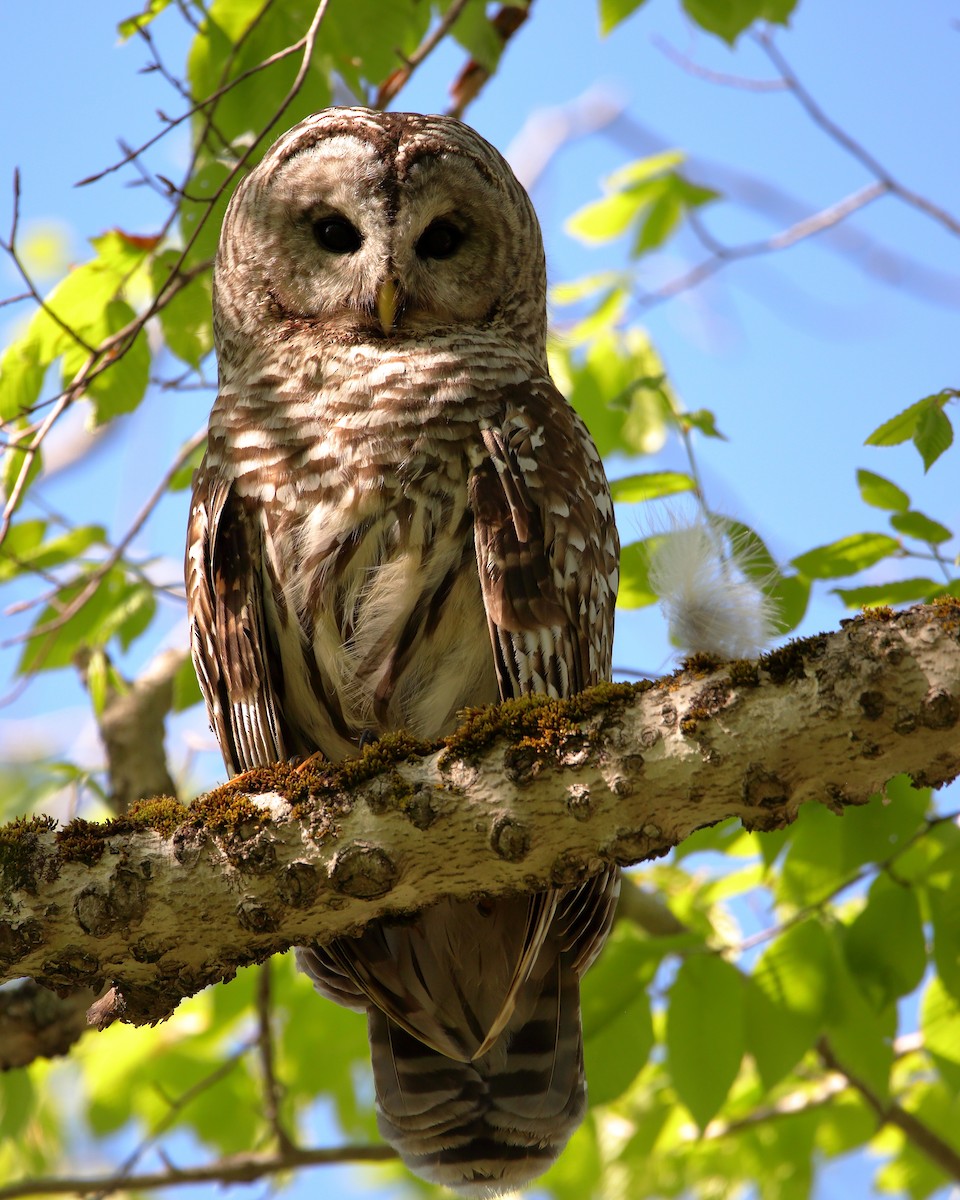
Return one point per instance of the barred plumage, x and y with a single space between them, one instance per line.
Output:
398 516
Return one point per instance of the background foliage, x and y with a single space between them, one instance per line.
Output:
768 1004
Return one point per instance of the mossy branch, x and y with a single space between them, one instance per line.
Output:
167 899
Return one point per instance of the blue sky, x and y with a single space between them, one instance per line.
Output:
799 354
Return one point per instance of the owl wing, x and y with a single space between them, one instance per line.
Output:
231 648
547 554
547 548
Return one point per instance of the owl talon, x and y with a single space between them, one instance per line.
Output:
367 738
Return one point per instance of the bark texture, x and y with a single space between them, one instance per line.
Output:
163 902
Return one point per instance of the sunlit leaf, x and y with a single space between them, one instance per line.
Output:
186 319
651 485
933 434
921 527
884 945
881 493
612 12
846 556
636 590
118 608
900 591
726 18
787 999
705 1020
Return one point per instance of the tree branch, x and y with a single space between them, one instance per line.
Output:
239 1168
929 1143
532 794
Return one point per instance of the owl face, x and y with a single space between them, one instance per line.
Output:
381 225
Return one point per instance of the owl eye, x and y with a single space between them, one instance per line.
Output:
337 235
440 239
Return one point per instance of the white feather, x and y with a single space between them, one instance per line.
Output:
712 602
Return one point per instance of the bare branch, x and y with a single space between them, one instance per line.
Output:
718 77
401 76
470 82
921 1136
34 1023
722 255
239 1168
850 144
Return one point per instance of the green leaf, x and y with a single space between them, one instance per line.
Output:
933 435
635 588
923 528
726 18
617 1028
21 378
122 384
126 29
705 1033
182 478
902 591
873 832
704 421
96 676
17 1102
617 385
814 863
19 546
881 493
186 689
861 1037
915 422
940 1023
15 462
790 595
885 946
23 551
476 33
603 220
778 11
612 12
642 171
846 556
943 901
786 1000
650 485
186 319
118 608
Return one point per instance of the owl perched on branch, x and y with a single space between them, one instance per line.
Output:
398 516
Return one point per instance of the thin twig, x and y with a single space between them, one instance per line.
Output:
850 144
718 77
920 1136
401 76
722 255
176 1106
10 247
238 1168
272 1092
104 568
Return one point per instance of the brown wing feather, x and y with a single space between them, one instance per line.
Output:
229 634
547 555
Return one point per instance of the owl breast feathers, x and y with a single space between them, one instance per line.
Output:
398 516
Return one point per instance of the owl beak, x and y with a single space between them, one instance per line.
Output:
387 304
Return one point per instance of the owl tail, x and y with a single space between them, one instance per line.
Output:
490 1125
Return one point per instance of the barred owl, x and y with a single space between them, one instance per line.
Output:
398 516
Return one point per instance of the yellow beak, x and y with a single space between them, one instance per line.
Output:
387 304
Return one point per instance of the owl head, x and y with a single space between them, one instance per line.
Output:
362 225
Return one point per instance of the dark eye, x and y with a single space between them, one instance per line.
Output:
440 239
337 235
